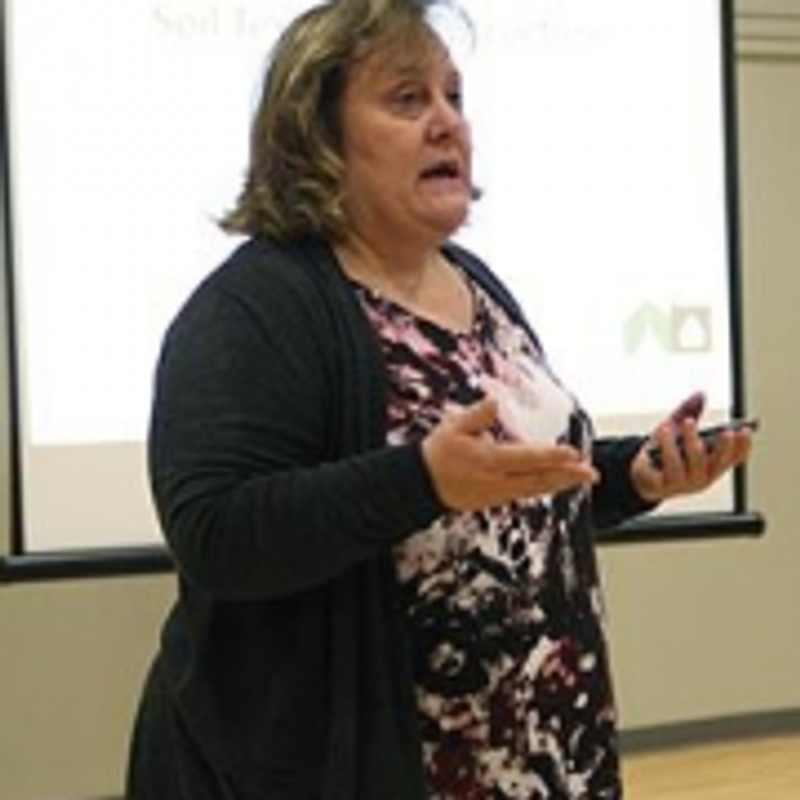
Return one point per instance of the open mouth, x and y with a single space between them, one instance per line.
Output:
443 170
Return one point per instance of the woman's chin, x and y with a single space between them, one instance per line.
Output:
448 218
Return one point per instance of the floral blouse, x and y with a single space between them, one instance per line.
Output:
503 604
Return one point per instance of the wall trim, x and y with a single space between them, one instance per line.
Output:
768 36
719 730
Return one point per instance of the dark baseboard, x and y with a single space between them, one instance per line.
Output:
708 731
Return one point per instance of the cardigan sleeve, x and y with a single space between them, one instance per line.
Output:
614 498
252 499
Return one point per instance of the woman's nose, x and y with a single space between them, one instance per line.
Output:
446 118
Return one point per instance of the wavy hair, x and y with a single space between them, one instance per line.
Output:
293 182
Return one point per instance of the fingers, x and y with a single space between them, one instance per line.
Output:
542 481
509 457
730 449
708 456
517 458
472 470
688 463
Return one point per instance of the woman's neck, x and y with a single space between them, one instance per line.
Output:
405 273
422 281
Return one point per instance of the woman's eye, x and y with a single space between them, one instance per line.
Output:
408 102
456 99
412 101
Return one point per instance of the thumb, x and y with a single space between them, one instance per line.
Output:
476 418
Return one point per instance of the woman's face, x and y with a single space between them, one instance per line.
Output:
406 148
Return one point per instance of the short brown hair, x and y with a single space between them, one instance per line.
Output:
292 186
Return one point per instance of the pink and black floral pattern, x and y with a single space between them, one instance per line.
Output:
503 605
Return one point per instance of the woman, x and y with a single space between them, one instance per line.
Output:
379 498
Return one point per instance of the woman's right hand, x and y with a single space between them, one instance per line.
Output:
471 469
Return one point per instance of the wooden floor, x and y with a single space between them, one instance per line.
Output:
753 769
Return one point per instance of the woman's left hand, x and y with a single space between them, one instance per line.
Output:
687 463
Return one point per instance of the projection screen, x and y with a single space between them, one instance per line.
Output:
604 143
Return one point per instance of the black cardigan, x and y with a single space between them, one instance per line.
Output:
280 502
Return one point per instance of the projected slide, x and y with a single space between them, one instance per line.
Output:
599 144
